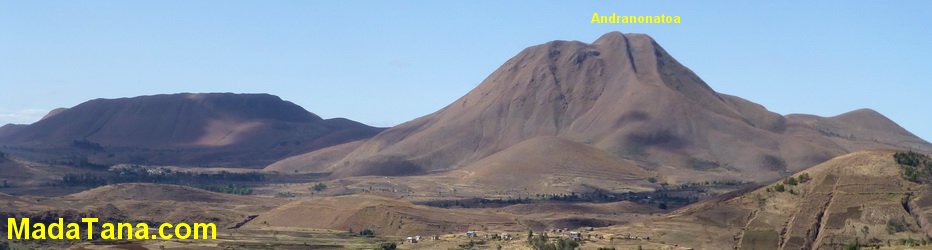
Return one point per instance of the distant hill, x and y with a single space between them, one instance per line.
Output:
625 95
217 129
8 129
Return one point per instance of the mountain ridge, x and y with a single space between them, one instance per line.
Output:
214 128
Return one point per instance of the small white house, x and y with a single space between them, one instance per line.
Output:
575 235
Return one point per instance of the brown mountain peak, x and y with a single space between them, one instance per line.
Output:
623 94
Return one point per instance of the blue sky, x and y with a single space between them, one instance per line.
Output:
383 63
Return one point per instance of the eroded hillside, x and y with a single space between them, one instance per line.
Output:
865 198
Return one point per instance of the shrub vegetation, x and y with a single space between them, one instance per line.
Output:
916 167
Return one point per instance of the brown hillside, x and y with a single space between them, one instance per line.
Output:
843 197
386 216
540 165
153 192
318 161
53 113
211 129
554 165
160 203
858 130
623 94
142 202
18 173
9 129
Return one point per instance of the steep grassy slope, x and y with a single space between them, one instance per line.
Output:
857 198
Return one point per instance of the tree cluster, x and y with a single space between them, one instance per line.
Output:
223 182
542 242
916 167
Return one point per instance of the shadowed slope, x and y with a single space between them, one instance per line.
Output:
187 129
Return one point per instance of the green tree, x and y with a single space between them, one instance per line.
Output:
468 245
543 243
567 244
320 186
803 178
367 232
388 246
779 188
852 246
895 225
910 173
790 181
910 158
